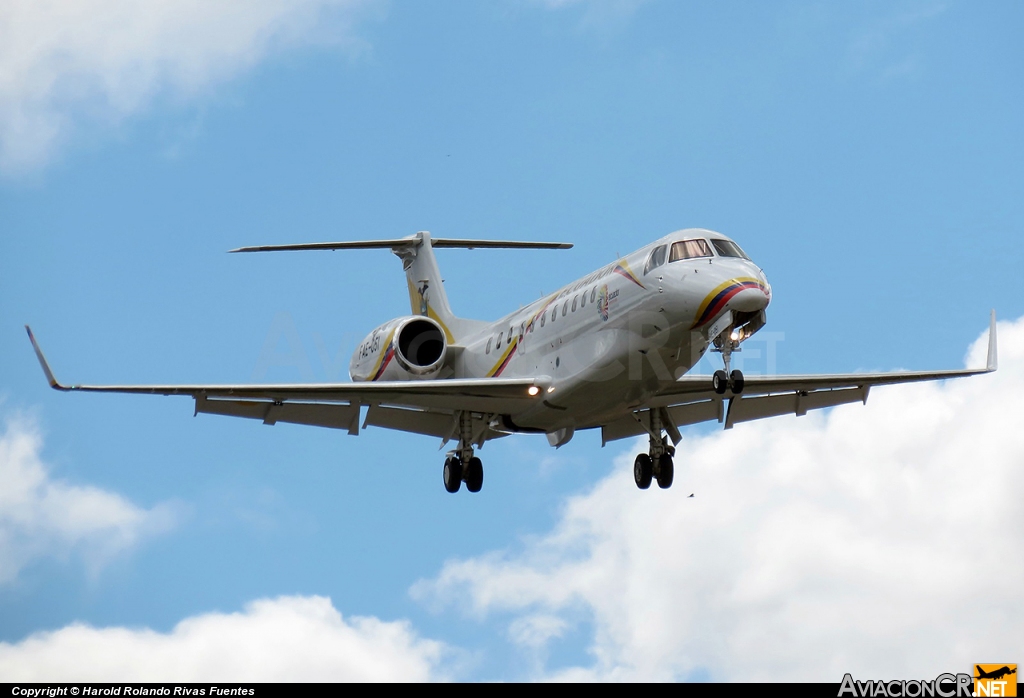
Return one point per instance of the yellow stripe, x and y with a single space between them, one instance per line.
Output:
721 287
625 265
526 331
416 302
383 353
511 348
447 333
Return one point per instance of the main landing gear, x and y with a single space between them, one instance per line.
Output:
461 465
657 463
455 473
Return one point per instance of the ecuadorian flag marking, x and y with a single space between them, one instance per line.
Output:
385 357
622 269
511 350
716 300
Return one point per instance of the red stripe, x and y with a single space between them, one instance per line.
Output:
622 272
724 298
390 354
508 357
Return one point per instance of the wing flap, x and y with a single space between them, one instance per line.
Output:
696 412
440 424
621 428
745 409
414 421
333 416
679 415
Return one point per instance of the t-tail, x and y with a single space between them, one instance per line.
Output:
427 296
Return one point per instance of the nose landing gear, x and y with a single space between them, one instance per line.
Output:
726 380
722 381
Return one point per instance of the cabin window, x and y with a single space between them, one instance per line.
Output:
574 303
565 307
488 349
656 259
509 340
728 248
543 318
583 300
593 291
554 313
498 343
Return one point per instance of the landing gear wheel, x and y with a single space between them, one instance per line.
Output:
720 381
643 471
737 382
453 473
474 475
665 471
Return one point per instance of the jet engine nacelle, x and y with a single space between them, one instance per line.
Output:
406 348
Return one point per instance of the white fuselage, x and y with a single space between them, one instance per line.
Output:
609 340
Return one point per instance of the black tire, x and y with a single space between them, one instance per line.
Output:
666 470
474 475
720 382
643 471
452 473
737 382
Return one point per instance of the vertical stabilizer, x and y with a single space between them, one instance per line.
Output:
426 288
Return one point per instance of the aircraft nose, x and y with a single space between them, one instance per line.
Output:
751 299
754 292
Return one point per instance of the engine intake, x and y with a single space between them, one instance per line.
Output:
421 345
406 348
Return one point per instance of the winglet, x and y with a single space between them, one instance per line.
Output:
42 362
993 358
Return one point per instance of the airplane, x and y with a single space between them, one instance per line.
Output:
611 351
995 674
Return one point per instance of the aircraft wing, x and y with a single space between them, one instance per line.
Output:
691 399
425 407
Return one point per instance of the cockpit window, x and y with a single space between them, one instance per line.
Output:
688 249
656 259
728 248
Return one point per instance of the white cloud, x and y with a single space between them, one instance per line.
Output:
62 61
285 639
41 517
881 540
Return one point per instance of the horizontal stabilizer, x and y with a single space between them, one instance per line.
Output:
413 241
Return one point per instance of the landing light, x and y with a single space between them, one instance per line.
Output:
735 336
533 390
551 389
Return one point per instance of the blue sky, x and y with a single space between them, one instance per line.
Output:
867 156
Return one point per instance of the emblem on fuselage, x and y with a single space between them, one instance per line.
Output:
604 301
424 287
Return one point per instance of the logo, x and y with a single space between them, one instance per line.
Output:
424 303
987 680
995 680
604 301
